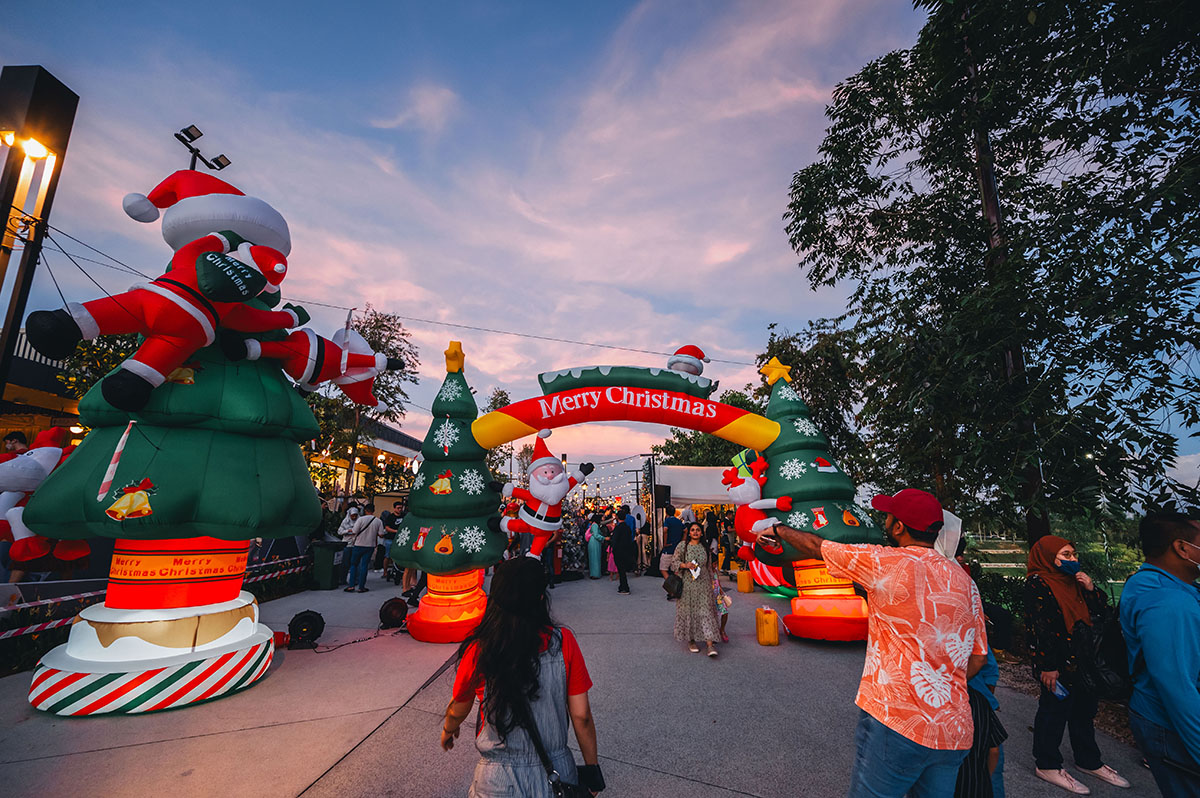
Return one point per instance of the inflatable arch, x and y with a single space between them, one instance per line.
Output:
823 607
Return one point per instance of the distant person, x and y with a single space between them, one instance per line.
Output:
672 529
527 672
595 549
1058 598
925 639
391 525
695 612
16 442
364 536
622 550
1160 616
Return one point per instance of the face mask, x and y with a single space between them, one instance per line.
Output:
1069 567
1194 546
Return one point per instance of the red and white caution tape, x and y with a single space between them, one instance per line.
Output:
113 463
37 627
57 600
274 574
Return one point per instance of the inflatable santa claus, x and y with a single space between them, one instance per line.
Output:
229 248
744 485
540 514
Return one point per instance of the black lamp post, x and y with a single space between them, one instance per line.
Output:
37 113
187 137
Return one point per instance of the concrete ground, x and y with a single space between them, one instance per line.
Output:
363 720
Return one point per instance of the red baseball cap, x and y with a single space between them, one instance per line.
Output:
911 507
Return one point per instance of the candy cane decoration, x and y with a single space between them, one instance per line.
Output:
112 464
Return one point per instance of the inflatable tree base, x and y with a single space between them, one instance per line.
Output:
450 609
826 608
175 629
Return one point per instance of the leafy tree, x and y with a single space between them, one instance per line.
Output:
1014 201
524 458
498 459
94 359
340 419
694 448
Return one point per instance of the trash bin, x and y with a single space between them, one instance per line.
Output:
329 563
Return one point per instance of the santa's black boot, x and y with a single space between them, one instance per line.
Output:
395 364
53 333
494 524
233 345
125 390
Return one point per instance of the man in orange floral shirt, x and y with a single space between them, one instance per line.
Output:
925 638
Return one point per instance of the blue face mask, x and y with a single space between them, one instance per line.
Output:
1069 567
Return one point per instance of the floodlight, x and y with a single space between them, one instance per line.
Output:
191 133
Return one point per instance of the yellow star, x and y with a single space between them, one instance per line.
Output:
455 358
773 370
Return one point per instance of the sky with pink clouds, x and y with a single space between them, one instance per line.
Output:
608 172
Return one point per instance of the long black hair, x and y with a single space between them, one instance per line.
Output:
705 539
509 641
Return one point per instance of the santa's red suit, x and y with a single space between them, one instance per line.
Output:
746 493
539 517
211 276
20 475
310 359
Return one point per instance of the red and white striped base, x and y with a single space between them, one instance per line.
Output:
64 685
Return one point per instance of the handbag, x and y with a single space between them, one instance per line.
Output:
673 584
1102 665
557 786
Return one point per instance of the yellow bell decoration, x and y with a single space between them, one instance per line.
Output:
441 485
134 502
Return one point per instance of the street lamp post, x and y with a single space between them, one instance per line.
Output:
187 137
37 113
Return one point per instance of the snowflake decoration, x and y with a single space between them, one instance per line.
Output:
798 520
793 469
450 391
446 434
806 427
403 535
787 392
471 539
419 480
472 482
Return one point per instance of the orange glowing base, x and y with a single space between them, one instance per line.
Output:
826 608
451 608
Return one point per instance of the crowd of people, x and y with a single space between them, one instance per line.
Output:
928 712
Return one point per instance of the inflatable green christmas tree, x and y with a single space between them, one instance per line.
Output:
214 453
446 530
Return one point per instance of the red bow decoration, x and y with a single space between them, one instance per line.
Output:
731 477
145 484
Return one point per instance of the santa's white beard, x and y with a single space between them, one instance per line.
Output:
550 491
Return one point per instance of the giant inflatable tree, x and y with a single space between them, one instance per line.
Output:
211 461
802 467
446 532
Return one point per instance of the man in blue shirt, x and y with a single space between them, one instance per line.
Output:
1160 617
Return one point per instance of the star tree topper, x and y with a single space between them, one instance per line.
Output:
455 357
773 370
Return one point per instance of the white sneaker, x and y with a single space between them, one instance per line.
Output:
1105 773
1061 778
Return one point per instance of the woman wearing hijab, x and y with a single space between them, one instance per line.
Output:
1058 598
595 547
525 671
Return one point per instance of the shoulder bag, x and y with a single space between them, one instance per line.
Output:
557 786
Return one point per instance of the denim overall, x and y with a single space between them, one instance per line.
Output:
513 767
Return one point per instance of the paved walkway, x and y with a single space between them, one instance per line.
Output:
363 720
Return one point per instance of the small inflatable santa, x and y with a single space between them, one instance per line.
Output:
20 475
745 491
541 503
688 359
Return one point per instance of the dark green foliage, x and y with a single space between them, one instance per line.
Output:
1049 336
693 448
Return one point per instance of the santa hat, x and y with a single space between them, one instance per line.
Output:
690 355
197 203
541 453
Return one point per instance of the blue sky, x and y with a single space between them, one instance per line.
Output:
611 172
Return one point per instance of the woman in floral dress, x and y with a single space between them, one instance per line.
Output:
695 612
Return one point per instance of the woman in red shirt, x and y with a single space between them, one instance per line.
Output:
524 670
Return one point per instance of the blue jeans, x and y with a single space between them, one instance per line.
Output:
360 561
1157 742
889 765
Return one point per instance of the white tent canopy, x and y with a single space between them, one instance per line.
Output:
692 484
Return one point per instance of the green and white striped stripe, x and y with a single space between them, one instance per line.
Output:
69 692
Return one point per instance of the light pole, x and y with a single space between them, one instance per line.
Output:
37 113
187 137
